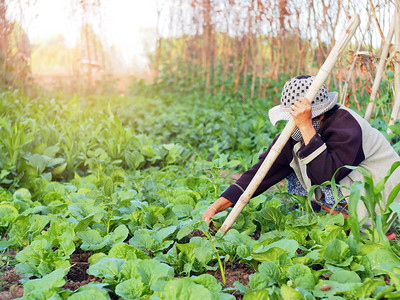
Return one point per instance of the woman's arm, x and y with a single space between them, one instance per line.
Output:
340 143
278 171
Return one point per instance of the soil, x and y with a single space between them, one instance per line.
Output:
77 275
232 176
234 272
195 233
11 288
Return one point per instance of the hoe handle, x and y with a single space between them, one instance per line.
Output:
319 80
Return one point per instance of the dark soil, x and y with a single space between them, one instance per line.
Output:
234 272
10 286
77 275
256 235
195 233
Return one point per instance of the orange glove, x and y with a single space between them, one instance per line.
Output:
219 205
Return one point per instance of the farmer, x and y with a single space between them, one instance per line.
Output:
327 136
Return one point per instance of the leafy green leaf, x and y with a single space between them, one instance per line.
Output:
164 233
209 282
126 252
118 235
298 270
337 253
131 289
184 288
108 187
345 277
90 292
382 258
259 281
83 210
46 285
22 195
256 295
92 240
108 268
8 214
271 252
152 270
355 195
271 270
290 293
274 215
368 287
307 282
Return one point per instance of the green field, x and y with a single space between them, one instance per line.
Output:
101 197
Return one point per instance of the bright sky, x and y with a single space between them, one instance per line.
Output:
123 23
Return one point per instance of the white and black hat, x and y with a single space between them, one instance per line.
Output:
296 88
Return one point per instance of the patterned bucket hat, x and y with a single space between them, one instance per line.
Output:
296 88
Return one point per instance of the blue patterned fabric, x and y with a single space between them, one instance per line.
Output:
328 193
295 187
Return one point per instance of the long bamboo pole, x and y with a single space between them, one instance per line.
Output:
379 73
319 80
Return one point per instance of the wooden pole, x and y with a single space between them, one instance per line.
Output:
343 92
379 72
396 110
396 107
319 80
397 56
376 20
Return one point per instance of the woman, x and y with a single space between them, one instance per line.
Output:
327 137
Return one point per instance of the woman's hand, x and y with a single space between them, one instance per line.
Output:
210 212
219 205
301 113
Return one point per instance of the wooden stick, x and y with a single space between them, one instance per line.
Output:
376 20
395 111
319 80
379 72
343 92
397 47
396 106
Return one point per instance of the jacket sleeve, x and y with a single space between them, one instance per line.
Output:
279 170
339 144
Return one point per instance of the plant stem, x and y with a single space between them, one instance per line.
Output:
109 215
218 258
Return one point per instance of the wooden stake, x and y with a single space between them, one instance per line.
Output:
396 110
376 20
396 107
343 92
397 47
319 80
379 72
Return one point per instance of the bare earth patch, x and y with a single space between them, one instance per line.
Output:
13 289
77 275
234 272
